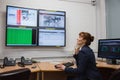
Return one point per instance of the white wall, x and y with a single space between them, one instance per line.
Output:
101 19
113 18
79 17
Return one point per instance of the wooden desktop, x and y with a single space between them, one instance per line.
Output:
106 65
9 68
47 71
34 69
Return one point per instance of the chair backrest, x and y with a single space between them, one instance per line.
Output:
115 75
20 74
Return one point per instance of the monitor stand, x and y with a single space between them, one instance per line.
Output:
111 61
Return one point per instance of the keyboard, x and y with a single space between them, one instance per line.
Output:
68 64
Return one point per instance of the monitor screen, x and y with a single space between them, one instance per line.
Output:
51 37
21 36
19 16
52 29
109 48
50 18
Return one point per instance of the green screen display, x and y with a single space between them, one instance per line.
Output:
19 36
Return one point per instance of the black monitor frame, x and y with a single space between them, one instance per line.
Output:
26 26
25 16
109 49
33 35
51 28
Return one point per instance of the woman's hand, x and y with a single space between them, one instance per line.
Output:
60 66
76 50
77 46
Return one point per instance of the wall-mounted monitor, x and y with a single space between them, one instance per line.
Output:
21 36
35 27
51 37
19 16
51 18
52 28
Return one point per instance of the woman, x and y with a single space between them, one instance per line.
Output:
85 60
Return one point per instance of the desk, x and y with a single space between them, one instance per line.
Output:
44 70
106 70
49 71
9 68
105 65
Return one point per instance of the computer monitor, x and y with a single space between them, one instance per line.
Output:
21 26
51 38
109 49
52 19
52 28
20 16
21 36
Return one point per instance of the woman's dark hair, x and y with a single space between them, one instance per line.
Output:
87 36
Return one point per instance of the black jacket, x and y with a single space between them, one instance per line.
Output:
86 65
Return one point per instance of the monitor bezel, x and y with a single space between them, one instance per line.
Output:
57 11
17 45
21 8
52 28
106 57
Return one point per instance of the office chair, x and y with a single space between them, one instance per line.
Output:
19 74
115 75
105 72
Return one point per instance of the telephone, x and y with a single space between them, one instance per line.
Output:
26 61
9 62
